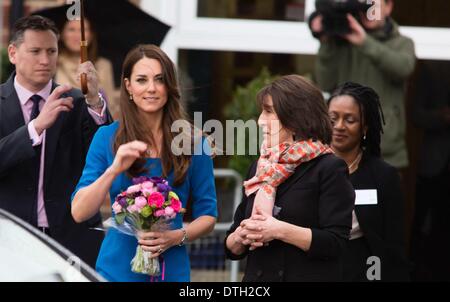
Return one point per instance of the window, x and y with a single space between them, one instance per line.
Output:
280 10
424 13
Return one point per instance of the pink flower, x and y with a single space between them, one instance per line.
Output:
169 212
160 213
133 209
148 185
175 204
148 188
117 208
148 192
156 200
134 189
140 202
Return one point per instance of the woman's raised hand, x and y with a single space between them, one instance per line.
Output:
126 155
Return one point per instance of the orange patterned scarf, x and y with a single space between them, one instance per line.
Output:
277 164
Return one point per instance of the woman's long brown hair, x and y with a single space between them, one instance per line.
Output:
130 129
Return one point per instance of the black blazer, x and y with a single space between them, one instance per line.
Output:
383 224
67 143
319 196
432 94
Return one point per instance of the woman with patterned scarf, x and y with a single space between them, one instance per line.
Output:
296 214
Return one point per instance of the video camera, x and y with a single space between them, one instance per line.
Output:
334 12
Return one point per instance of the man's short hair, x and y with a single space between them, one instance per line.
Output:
34 22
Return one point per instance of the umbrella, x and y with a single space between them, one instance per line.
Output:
119 25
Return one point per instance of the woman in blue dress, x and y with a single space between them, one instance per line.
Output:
141 144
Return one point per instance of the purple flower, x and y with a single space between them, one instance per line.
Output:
164 190
157 180
122 201
141 179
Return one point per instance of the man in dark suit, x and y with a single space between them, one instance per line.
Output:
45 133
431 113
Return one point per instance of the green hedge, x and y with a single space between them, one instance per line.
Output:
244 107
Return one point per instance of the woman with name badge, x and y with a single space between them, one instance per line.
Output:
377 245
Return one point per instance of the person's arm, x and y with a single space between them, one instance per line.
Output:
236 241
392 202
18 146
98 177
335 205
397 63
204 206
97 107
264 228
203 190
15 148
327 65
106 78
423 116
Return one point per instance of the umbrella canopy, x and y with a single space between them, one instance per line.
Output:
119 26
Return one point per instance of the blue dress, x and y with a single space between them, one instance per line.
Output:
118 250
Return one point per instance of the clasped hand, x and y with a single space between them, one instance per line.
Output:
257 231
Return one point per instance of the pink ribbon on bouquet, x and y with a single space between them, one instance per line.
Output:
163 274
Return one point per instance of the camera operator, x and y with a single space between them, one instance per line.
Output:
369 52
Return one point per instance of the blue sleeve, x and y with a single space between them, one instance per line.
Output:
203 188
96 160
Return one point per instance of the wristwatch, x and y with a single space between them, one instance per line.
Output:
184 239
100 104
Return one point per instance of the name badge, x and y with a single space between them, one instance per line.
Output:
366 197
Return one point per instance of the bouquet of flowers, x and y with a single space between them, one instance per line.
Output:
148 205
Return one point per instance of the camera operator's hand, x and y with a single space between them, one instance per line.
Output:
316 26
358 35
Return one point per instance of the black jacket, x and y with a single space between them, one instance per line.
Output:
67 143
318 196
432 95
383 224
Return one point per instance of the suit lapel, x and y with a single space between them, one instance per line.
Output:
51 143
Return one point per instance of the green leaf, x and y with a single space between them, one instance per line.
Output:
146 212
120 218
173 195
